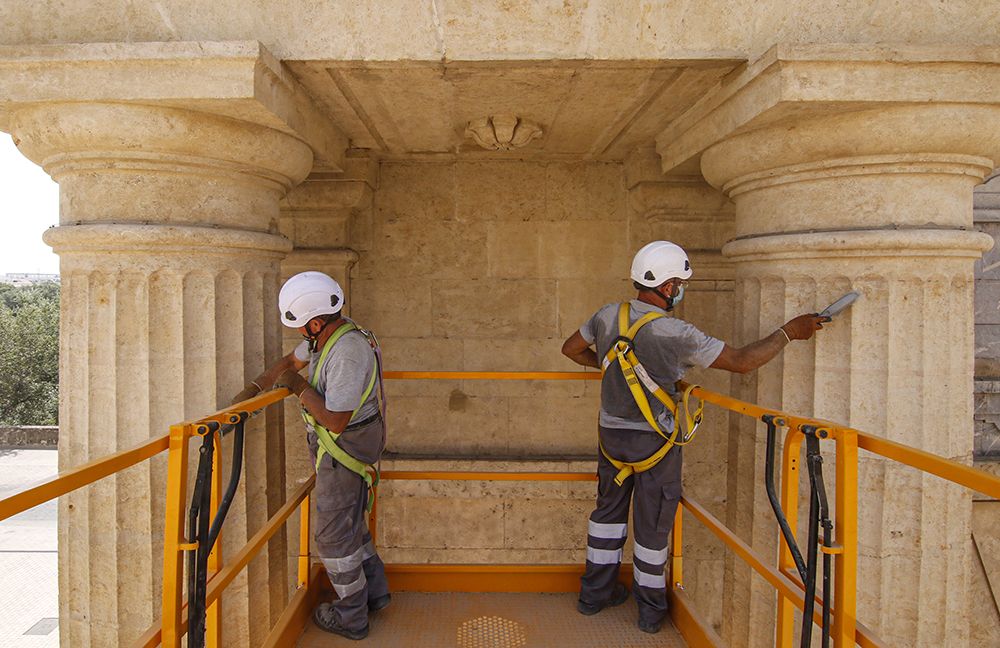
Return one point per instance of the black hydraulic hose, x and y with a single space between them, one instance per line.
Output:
812 452
779 513
824 520
234 481
198 519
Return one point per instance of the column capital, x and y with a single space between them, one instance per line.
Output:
239 80
795 85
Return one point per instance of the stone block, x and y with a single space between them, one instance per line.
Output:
500 191
423 193
568 426
579 299
455 424
546 524
400 308
988 302
516 354
493 308
441 522
585 191
514 250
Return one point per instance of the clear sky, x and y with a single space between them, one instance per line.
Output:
29 204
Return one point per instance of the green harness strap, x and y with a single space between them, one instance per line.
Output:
328 440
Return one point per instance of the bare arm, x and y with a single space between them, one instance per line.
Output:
315 404
578 350
756 354
265 381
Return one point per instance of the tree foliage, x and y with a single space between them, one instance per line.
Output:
29 354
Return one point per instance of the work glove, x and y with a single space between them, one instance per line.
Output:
248 392
293 381
803 326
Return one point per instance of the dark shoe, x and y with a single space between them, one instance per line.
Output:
324 618
379 603
651 628
618 596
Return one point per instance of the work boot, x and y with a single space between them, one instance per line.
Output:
325 618
618 596
650 627
379 603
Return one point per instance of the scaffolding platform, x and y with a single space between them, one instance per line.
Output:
498 620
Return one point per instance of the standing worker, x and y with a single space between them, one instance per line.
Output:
341 405
644 420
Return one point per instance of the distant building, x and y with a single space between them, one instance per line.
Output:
28 278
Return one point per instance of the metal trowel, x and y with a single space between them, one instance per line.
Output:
839 305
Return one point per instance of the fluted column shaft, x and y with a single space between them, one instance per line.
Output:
170 261
878 202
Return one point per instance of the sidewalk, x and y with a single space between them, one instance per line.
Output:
28 564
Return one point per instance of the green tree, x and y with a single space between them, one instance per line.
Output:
29 354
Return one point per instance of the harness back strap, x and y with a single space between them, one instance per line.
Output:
636 377
328 440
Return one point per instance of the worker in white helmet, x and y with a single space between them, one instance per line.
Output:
644 421
342 408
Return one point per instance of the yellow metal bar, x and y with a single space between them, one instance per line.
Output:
492 375
953 471
677 549
227 415
81 476
784 637
696 633
256 543
173 557
288 628
304 532
458 475
846 525
213 615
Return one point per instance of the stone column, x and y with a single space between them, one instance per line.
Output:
877 201
169 258
683 208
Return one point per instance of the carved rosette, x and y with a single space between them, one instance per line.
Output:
502 132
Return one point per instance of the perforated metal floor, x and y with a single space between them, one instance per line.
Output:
462 620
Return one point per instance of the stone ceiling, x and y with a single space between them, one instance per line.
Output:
586 109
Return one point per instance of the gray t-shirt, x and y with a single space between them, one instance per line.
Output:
343 378
667 347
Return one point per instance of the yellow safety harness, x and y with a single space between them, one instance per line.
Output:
328 440
636 376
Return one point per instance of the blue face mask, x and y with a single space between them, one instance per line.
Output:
680 295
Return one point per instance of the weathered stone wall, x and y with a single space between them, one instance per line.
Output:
478 30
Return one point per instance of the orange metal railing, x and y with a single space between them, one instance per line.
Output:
846 630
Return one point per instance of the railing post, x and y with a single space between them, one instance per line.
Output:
846 525
213 616
173 563
785 635
304 531
677 550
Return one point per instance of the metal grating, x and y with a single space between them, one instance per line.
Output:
495 620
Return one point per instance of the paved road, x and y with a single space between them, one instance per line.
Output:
29 586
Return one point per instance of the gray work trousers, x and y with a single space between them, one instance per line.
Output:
655 493
343 541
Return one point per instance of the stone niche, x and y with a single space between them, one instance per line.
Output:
478 266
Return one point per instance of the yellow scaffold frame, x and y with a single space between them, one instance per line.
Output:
846 630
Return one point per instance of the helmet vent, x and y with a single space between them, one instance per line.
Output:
289 316
649 276
687 265
334 300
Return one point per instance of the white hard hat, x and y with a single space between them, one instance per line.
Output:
658 262
307 295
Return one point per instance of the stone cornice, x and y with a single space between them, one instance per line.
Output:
790 83
240 80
